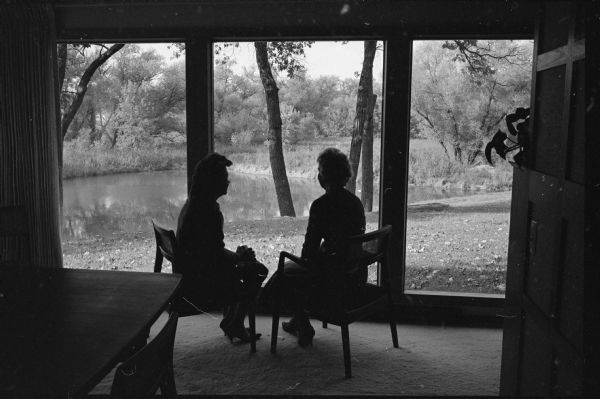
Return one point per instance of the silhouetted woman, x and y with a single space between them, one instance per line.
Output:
209 269
333 217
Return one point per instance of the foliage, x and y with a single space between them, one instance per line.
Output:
462 90
133 99
310 107
84 159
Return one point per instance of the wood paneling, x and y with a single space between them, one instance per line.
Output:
555 25
576 145
28 143
279 18
536 359
548 292
548 119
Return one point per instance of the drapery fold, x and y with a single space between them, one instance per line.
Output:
28 135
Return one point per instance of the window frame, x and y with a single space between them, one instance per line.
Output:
397 38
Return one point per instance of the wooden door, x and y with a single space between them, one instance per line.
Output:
542 352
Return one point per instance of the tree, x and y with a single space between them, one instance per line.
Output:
365 104
366 194
274 137
462 91
77 95
239 106
72 99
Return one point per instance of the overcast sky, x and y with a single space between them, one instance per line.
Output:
323 58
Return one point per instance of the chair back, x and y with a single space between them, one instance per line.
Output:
366 249
166 247
149 368
343 286
14 236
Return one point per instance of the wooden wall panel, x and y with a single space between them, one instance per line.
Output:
542 238
555 27
569 307
548 119
28 144
551 332
536 357
567 370
576 144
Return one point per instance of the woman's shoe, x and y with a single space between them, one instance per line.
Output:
290 327
305 336
242 334
303 330
224 326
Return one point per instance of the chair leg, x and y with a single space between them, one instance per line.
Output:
252 323
346 345
158 260
274 327
392 322
324 324
167 385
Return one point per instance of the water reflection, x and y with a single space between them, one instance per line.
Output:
125 203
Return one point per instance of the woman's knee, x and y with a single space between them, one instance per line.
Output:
291 268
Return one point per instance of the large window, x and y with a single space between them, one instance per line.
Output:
458 204
124 151
132 119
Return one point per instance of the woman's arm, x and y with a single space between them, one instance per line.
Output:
314 234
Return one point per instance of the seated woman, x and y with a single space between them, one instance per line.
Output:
211 271
333 217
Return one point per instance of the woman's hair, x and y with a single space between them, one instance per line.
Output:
335 167
205 171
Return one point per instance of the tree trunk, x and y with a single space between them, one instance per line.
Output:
367 158
282 186
457 152
472 156
113 139
456 139
94 132
364 93
445 148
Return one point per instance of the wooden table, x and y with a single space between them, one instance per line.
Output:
63 330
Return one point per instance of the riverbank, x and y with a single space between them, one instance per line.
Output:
460 246
428 165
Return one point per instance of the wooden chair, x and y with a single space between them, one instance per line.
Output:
341 307
14 237
149 368
166 248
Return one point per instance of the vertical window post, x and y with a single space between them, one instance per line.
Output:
394 166
199 100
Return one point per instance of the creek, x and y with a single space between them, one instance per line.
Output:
126 203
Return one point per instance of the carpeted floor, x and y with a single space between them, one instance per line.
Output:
431 360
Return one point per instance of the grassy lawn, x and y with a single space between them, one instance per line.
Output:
461 248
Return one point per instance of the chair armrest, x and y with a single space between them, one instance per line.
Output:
283 255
